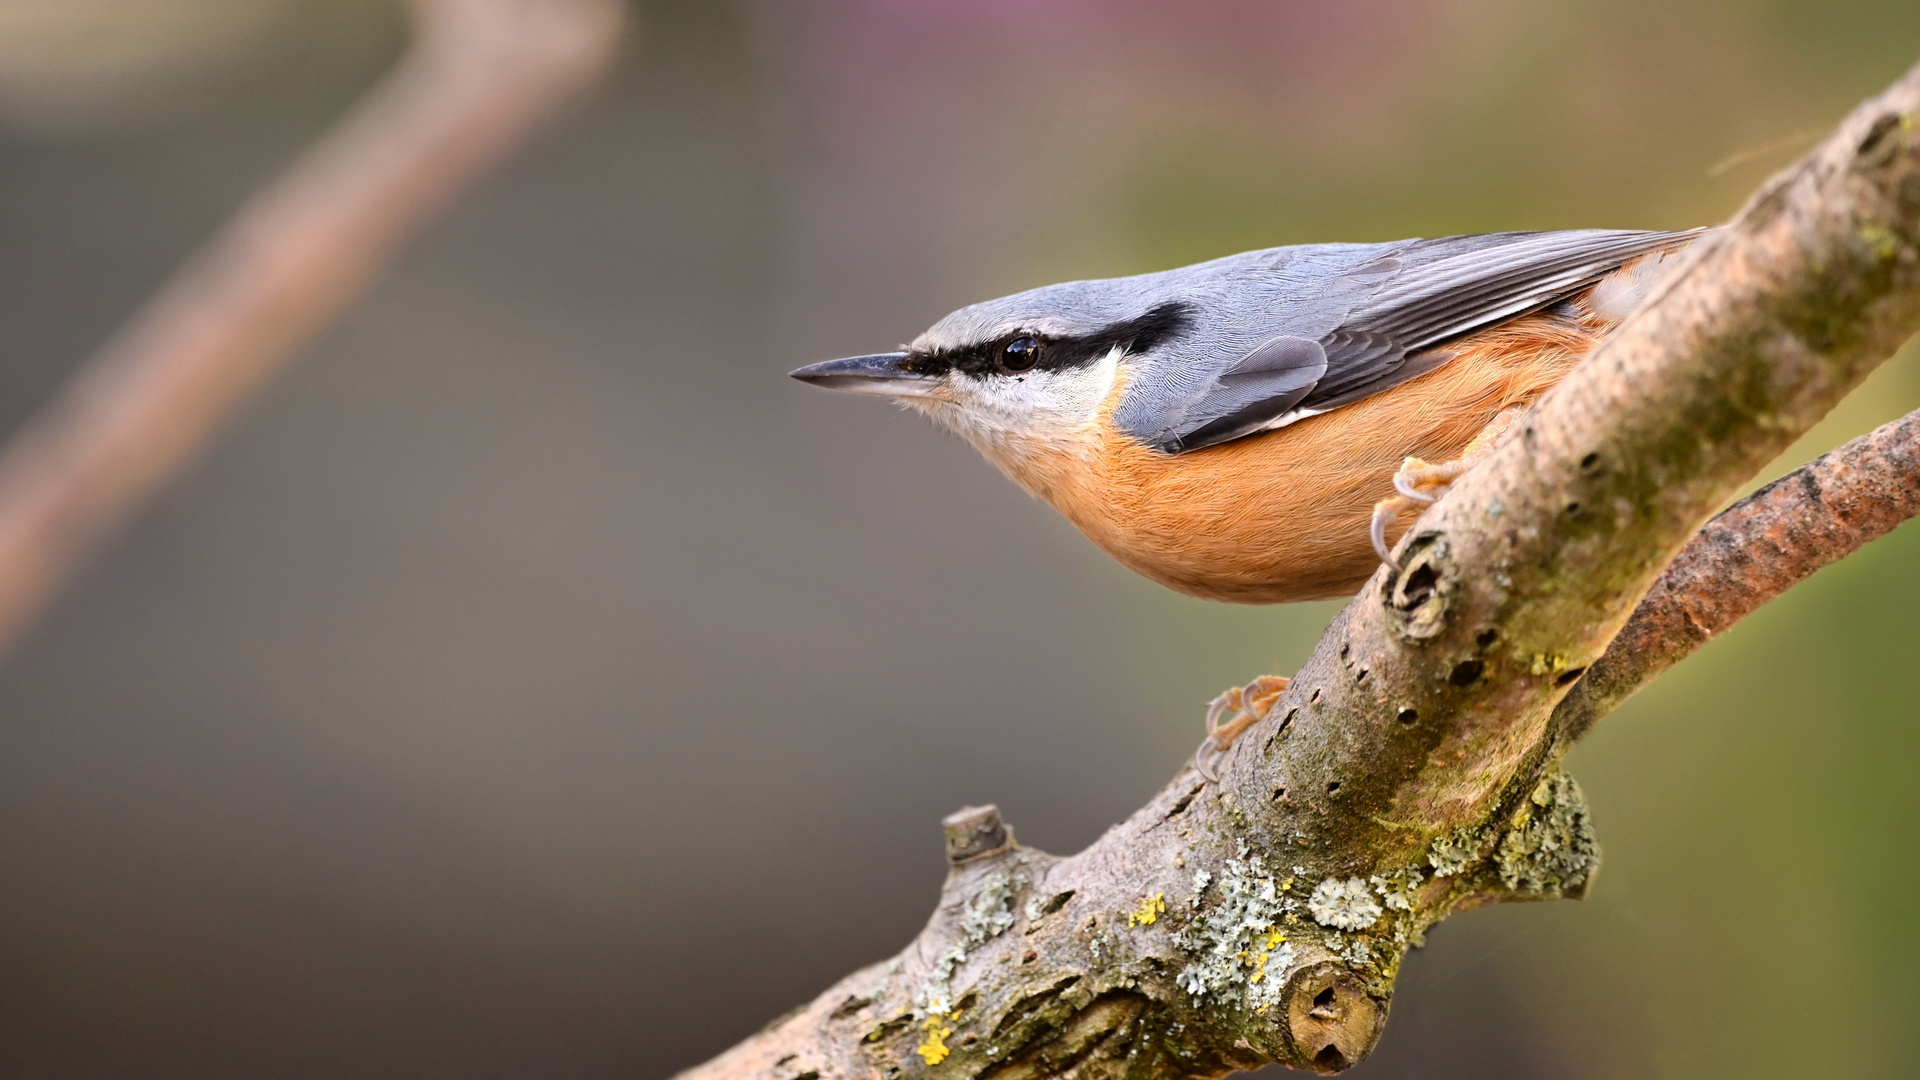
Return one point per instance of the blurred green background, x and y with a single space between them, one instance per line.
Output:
536 683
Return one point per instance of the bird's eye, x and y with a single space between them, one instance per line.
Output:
1020 354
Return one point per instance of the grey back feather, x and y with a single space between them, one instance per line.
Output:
1276 335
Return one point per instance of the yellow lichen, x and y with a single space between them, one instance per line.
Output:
1148 911
1549 665
935 1048
1258 960
1881 239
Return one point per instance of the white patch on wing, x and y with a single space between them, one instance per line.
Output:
1289 417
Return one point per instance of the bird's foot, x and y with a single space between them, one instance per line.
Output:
1248 705
1420 482
1424 482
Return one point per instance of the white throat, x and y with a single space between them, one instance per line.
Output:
1012 417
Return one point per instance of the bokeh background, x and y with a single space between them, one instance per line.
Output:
536 683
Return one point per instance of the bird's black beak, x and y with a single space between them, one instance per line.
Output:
881 373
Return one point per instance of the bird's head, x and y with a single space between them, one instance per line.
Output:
1025 371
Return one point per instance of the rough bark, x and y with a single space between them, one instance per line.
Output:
1759 548
1410 771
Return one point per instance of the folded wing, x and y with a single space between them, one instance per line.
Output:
1428 293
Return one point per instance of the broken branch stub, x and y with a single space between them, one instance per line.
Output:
1410 770
973 831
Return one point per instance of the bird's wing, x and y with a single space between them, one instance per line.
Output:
1429 292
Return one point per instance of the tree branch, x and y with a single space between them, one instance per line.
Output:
1410 771
1759 548
481 76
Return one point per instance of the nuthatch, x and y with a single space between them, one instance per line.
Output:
1239 429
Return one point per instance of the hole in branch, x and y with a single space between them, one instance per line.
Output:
1876 134
1280 794
1314 697
1333 788
1590 462
1181 806
1418 598
1418 588
1285 725
1566 677
1573 508
1466 672
1330 1060
1486 638
1408 717
1323 999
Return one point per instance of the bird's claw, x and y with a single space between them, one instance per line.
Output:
1384 512
1248 705
1418 482
1424 481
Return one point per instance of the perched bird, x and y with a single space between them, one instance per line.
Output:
1241 429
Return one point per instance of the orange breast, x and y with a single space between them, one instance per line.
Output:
1283 516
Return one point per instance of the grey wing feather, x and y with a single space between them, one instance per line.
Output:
1356 358
1262 385
1456 294
1428 293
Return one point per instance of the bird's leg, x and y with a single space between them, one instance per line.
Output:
1419 482
1249 705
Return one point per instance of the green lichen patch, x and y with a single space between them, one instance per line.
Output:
984 916
1549 848
989 912
1456 851
1357 954
1201 879
1238 943
1396 888
1345 904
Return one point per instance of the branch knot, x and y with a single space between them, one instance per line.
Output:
1421 592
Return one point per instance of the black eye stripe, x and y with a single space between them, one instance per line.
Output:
1140 334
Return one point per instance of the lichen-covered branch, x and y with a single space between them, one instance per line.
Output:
1757 549
1410 770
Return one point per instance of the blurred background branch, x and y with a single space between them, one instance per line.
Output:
480 77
